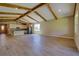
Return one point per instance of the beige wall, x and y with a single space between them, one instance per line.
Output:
63 26
77 27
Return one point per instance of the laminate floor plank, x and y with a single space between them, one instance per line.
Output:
36 45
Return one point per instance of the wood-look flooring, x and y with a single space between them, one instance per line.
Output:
36 45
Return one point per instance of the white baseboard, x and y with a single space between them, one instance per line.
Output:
60 36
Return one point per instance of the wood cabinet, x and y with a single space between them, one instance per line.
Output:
3 28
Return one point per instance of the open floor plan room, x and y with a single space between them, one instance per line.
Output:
39 29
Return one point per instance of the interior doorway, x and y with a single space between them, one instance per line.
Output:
3 28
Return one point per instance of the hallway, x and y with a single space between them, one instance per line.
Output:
36 45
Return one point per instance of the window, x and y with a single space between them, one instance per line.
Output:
36 27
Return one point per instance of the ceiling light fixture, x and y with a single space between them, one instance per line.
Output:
59 10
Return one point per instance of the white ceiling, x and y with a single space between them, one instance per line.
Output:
30 5
22 20
6 9
63 9
44 11
59 9
35 16
28 19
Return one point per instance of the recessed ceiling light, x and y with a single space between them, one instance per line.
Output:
59 10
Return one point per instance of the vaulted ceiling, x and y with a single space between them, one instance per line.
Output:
35 12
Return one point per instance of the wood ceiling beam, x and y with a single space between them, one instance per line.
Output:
40 15
10 13
32 18
7 17
14 6
75 6
39 5
25 19
53 13
4 20
22 22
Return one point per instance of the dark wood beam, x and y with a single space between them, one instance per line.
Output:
40 15
49 7
39 5
32 18
7 17
14 6
4 20
22 22
25 19
75 6
10 13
